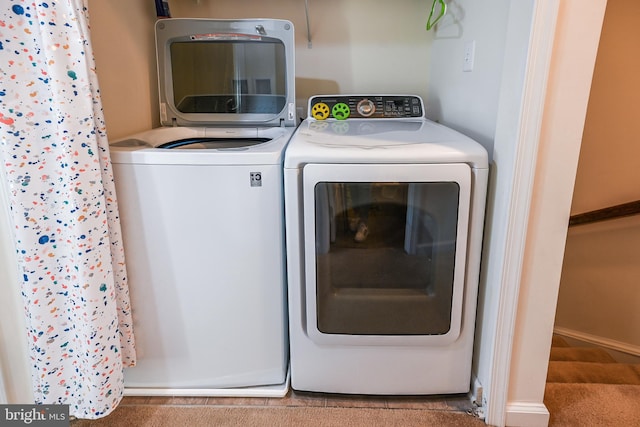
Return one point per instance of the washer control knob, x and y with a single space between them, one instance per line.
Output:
366 107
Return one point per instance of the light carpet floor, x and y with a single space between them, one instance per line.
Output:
200 416
571 400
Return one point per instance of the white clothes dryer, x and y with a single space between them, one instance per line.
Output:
202 206
384 215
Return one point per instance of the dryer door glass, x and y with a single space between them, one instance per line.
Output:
389 255
385 257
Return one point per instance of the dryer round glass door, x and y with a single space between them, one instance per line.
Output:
385 252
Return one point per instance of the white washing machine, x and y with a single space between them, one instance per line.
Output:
201 205
384 216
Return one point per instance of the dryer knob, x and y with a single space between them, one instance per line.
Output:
366 107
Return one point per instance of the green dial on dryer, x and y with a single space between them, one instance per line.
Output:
340 111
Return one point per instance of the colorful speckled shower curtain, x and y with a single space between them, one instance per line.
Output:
55 160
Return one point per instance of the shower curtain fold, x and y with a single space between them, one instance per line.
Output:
55 160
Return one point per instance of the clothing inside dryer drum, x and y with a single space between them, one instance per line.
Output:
229 76
385 257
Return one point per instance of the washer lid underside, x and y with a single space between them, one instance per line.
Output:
237 72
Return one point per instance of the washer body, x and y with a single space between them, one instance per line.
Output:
393 313
202 206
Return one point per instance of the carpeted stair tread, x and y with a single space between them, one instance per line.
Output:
584 391
558 341
592 404
590 372
581 354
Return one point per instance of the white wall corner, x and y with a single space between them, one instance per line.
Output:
525 414
574 53
530 38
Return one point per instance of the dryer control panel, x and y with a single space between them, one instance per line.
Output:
342 107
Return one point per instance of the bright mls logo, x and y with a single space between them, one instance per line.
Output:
34 415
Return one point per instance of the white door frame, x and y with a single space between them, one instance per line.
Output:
507 405
534 91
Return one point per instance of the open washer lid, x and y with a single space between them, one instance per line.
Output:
226 72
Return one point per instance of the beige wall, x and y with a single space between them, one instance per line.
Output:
599 292
608 172
364 46
124 50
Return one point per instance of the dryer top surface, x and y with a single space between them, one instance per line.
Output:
381 141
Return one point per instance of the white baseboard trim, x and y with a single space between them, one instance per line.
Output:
525 414
599 341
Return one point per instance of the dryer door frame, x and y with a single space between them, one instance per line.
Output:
313 174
